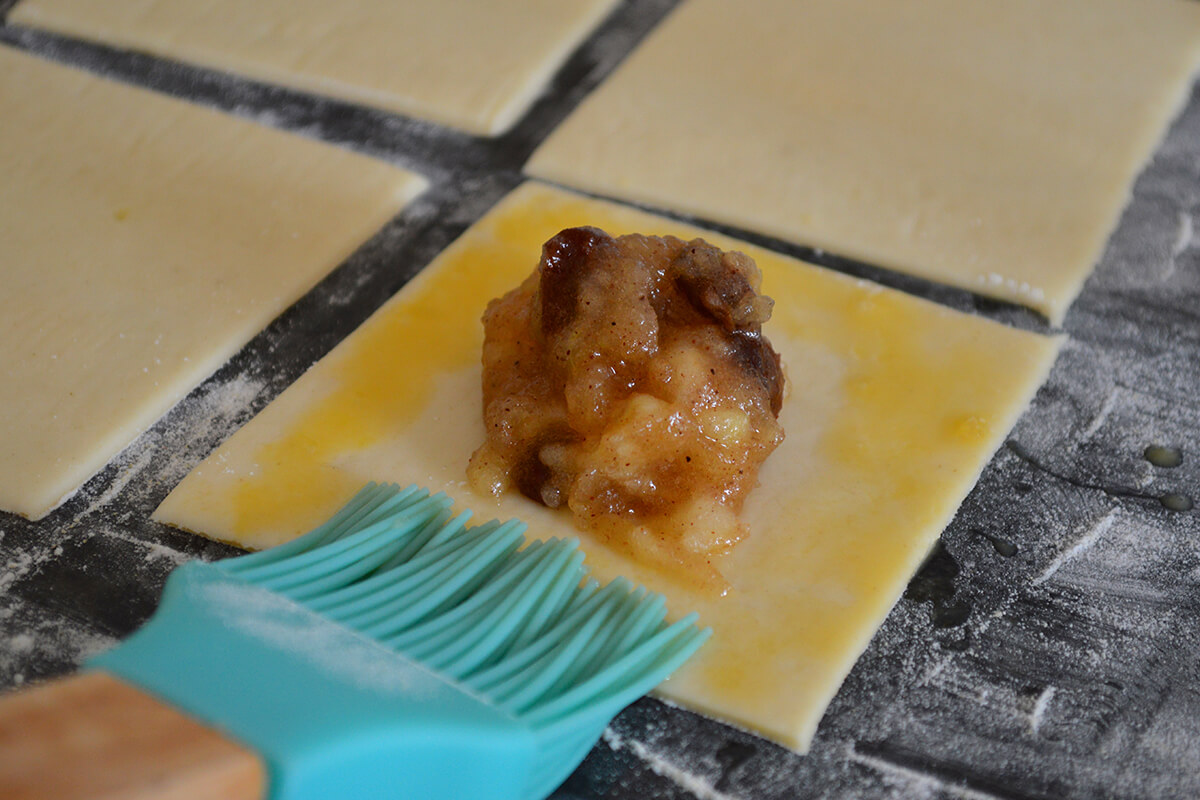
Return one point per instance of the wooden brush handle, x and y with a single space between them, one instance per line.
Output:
92 737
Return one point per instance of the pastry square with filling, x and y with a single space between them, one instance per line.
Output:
987 144
470 65
143 241
893 407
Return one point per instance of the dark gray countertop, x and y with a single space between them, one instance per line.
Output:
1051 645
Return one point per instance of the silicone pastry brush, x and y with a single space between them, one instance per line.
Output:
393 652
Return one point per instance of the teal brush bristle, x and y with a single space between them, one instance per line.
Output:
519 629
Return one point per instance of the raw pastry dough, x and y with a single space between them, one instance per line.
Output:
988 144
895 406
471 65
142 242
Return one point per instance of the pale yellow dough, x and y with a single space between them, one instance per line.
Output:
472 65
142 242
987 144
895 405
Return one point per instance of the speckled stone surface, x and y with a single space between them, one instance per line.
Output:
1047 650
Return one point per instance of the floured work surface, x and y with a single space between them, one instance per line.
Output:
894 406
988 144
475 66
142 242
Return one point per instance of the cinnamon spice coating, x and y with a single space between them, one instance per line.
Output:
628 380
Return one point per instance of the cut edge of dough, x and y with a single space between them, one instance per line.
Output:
1173 104
491 120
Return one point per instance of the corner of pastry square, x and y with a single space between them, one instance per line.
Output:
891 408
